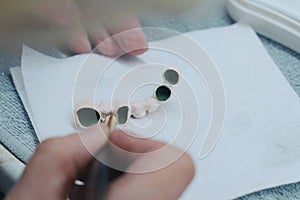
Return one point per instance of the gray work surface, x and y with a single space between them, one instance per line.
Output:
16 132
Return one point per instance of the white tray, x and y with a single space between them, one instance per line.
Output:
276 19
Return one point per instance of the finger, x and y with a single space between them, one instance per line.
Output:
56 165
133 144
104 42
166 183
130 36
78 41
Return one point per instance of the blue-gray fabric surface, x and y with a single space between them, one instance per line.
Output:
16 132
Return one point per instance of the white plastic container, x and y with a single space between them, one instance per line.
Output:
276 19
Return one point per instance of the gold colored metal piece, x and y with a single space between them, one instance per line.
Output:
104 116
111 123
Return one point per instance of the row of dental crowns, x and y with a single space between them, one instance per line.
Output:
87 115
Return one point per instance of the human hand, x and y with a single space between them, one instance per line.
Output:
78 26
57 163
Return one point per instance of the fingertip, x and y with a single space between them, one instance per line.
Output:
114 135
120 139
132 143
80 44
129 36
104 42
109 47
133 42
139 51
94 137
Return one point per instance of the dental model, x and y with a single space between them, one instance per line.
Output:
86 114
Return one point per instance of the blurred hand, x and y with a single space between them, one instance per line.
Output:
57 163
79 26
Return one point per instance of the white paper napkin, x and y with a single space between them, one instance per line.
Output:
260 144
